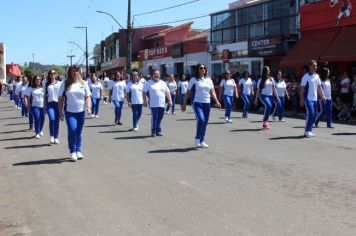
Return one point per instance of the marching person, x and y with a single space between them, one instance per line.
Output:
97 92
282 92
310 88
35 101
172 85
246 90
227 90
327 106
182 88
75 93
157 90
22 92
17 85
10 88
117 95
52 95
202 87
266 89
135 99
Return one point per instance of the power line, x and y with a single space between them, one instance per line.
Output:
167 8
171 22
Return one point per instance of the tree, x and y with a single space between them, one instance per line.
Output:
27 72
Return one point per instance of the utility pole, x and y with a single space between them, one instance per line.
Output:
86 49
71 59
129 39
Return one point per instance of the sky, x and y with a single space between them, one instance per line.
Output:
44 27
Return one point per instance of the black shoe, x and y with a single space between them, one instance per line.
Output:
159 134
119 123
316 126
330 127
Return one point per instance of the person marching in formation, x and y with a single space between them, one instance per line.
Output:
227 90
182 88
202 87
282 92
97 93
17 84
246 90
135 99
172 85
117 95
155 91
75 94
22 91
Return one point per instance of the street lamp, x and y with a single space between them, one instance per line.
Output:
71 59
86 49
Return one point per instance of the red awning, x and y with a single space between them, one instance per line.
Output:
310 46
13 70
343 48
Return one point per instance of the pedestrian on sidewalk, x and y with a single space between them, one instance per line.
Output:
310 88
35 101
117 89
22 92
135 99
172 85
246 90
75 93
282 93
155 91
266 91
326 107
52 95
96 89
202 87
227 90
182 88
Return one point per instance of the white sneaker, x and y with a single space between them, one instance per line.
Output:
41 133
52 139
230 121
283 120
73 156
135 129
174 113
80 155
197 143
96 116
226 119
204 145
56 141
273 118
167 112
37 136
92 116
309 134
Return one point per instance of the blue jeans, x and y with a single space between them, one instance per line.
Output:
279 108
294 101
202 113
16 100
23 108
38 115
267 102
157 116
95 106
30 119
11 95
181 98
118 109
247 102
173 97
228 102
53 115
136 114
310 107
325 108
75 123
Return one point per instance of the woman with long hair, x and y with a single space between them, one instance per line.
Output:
97 93
266 89
246 90
52 95
134 99
282 93
75 93
202 88
326 107
117 89
172 85
227 90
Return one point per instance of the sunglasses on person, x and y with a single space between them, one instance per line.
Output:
52 73
202 68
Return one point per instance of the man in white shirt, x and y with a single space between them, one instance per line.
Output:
345 89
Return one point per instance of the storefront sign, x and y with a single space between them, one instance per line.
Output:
117 62
225 56
155 53
269 46
2 63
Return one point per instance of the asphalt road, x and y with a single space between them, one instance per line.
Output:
249 182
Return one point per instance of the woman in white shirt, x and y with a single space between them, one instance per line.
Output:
266 89
172 85
282 93
157 90
134 99
17 85
97 92
202 87
246 90
182 88
22 90
326 107
10 88
35 101
117 89
227 90
75 97
52 95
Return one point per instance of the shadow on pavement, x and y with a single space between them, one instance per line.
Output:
189 119
114 131
99 126
346 134
298 127
288 137
42 162
217 123
14 139
12 124
245 130
134 137
14 131
11 118
29 146
178 150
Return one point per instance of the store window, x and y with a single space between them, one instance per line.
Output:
216 69
242 33
229 35
256 68
256 30
216 37
242 16
238 66
255 13
273 27
289 25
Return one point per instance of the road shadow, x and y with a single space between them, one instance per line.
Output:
42 162
99 126
29 146
345 134
217 123
298 127
6 110
188 119
15 139
11 118
174 150
114 131
14 131
288 137
245 130
133 137
13 124
237 117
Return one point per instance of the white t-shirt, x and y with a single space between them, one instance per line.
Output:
268 89
36 95
311 83
17 87
22 89
53 91
157 92
326 85
202 89
172 87
281 88
345 81
75 96
118 90
183 86
10 87
95 89
228 86
142 80
135 90
246 85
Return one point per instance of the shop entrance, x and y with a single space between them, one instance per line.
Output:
179 68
